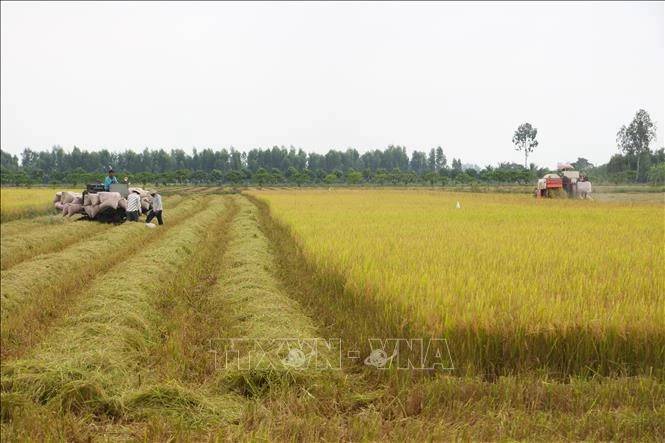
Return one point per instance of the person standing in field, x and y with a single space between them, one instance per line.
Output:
133 206
109 180
156 210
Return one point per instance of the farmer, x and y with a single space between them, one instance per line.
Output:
133 206
156 210
110 179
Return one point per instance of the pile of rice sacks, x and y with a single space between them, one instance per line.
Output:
71 203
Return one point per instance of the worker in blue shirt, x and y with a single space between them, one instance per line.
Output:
109 180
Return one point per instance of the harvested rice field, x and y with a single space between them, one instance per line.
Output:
336 315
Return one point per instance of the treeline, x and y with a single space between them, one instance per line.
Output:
281 165
622 168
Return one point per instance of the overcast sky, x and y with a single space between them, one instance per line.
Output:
121 75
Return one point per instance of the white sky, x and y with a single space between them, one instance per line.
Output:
120 75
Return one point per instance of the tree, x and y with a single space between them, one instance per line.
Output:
275 175
295 176
320 174
234 176
524 139
8 162
656 174
408 177
21 178
37 175
635 138
199 176
246 174
582 164
300 177
216 175
182 175
463 178
353 176
76 176
330 179
395 176
418 163
432 177
144 178
622 177
381 176
431 160
440 159
291 173
261 177
443 178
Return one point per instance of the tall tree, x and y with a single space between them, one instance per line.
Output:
431 160
524 139
582 164
440 161
635 138
418 162
8 161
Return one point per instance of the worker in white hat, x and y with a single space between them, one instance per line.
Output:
133 206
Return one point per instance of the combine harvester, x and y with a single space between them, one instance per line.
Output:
566 183
97 204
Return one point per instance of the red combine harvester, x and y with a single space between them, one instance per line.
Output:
567 183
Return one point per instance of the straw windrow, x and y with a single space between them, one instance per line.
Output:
25 245
259 311
19 248
37 291
96 357
18 228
